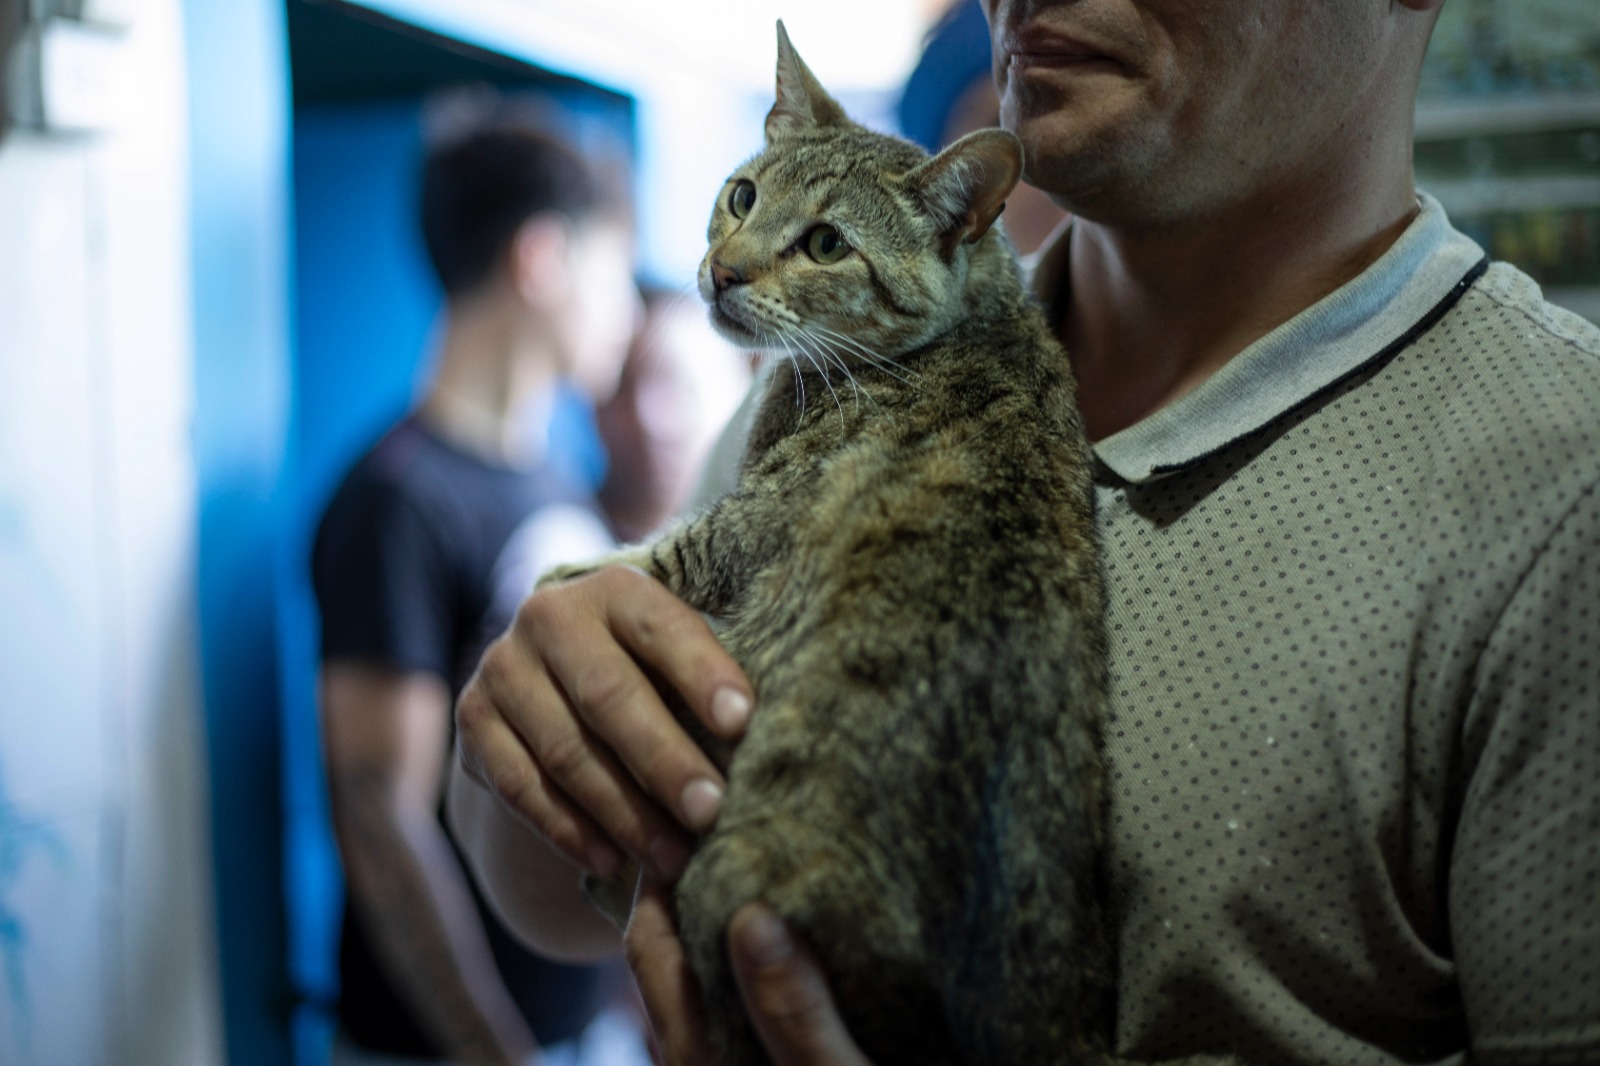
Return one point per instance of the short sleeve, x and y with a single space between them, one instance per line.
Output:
1524 885
382 575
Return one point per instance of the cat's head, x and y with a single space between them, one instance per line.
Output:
844 239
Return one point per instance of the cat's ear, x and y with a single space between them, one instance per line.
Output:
964 187
802 102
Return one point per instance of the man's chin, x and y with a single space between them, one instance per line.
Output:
1076 160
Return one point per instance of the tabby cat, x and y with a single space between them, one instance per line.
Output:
907 572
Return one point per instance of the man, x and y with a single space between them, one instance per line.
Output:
421 558
950 93
1352 533
682 380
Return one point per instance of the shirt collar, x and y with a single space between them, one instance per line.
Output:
1377 313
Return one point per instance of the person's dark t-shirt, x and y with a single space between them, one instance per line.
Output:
420 561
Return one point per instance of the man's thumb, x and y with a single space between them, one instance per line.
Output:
786 994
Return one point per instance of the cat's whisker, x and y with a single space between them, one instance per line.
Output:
799 380
843 364
787 336
688 291
656 322
848 340
799 345
832 352
655 352
821 368
895 370
831 355
873 362
870 357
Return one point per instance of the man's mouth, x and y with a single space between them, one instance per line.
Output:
1040 48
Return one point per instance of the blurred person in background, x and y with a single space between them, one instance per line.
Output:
420 560
950 93
681 383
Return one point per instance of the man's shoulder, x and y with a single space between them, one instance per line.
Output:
1505 316
409 471
393 490
1504 393
1509 354
375 481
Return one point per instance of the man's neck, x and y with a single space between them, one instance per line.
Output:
492 383
1154 312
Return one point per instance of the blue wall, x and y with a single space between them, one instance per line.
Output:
239 115
365 298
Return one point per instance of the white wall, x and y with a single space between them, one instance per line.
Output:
702 71
106 943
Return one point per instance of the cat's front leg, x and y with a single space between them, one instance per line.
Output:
636 556
702 560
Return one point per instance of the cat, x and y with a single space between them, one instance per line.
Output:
907 571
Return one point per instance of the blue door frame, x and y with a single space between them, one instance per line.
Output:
237 61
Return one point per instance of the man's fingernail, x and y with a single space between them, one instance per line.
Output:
701 802
730 709
670 857
766 941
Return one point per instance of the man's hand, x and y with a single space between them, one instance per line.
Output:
784 991
564 724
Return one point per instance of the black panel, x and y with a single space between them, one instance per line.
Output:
343 51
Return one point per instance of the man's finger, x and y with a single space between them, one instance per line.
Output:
493 755
521 739
577 628
786 994
666 984
677 643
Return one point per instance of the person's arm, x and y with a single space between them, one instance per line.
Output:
1524 881
533 889
563 725
386 733
568 758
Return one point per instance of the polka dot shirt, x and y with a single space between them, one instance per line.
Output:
1355 742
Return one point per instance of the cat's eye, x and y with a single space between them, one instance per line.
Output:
743 198
825 245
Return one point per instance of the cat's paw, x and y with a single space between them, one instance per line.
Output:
636 557
565 572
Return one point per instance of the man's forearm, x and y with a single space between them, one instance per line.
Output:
535 891
414 901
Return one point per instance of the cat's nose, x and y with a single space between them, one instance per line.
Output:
723 276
